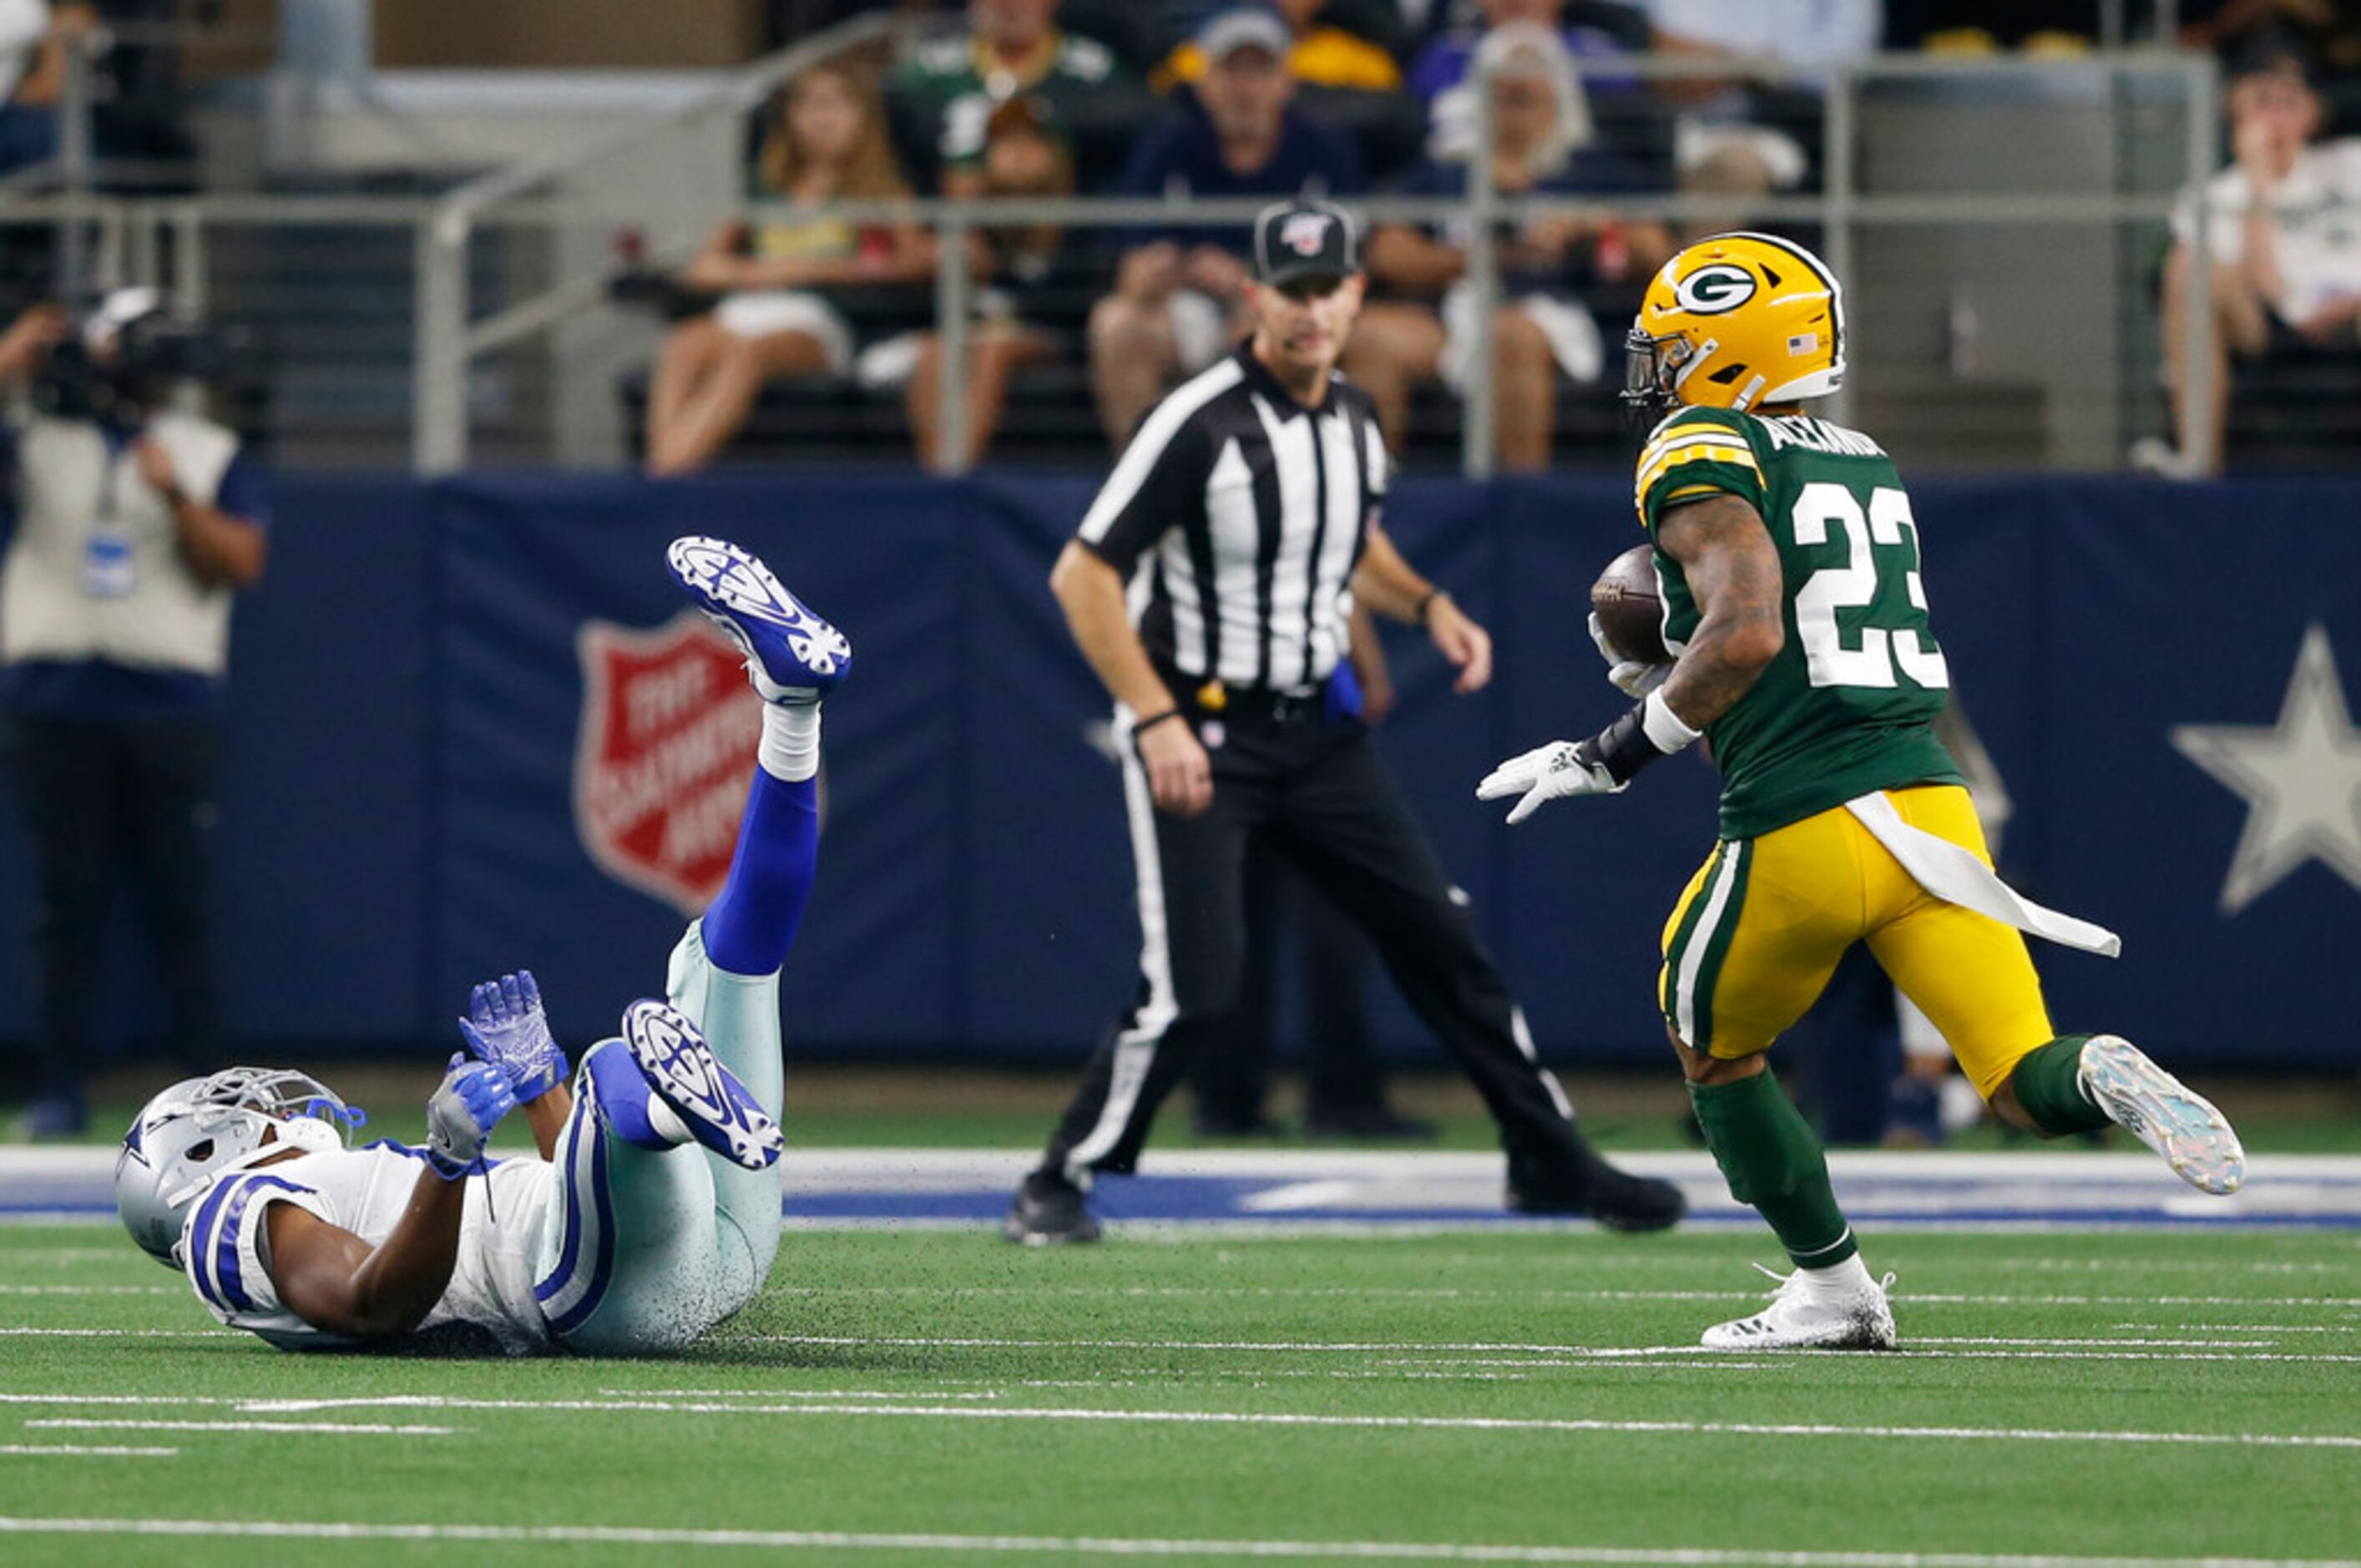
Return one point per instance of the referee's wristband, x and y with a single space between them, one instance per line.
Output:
1650 730
1145 725
1418 616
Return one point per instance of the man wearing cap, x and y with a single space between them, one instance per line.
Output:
134 527
1210 585
1176 306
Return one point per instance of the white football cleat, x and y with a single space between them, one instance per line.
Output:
1805 1314
2160 1111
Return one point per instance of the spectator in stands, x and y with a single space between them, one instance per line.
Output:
1028 283
1780 120
1629 116
1319 55
1344 78
1541 328
33 42
773 314
1012 49
1176 302
2285 241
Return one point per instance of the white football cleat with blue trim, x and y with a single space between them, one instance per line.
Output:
682 1070
792 655
2163 1113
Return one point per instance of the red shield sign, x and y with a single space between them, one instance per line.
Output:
668 734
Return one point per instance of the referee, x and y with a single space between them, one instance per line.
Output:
1210 587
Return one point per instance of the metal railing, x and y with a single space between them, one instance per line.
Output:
451 338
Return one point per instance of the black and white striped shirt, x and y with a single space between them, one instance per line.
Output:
1237 515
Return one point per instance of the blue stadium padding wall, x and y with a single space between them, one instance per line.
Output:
408 695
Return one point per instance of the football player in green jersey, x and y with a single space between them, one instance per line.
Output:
1789 562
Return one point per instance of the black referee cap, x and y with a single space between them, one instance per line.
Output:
1304 239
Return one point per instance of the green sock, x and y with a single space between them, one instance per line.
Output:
1772 1159
2048 1085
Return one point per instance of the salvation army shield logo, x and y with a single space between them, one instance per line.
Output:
668 734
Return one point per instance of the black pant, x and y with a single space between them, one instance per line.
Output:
98 795
1342 1074
1315 793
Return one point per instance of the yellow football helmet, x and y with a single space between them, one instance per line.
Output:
1736 321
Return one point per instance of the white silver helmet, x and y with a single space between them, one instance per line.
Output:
201 1129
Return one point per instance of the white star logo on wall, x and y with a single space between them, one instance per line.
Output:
2301 779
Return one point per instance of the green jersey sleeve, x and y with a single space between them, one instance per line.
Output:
1697 452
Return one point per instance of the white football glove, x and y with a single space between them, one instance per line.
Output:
1548 772
461 1115
1630 677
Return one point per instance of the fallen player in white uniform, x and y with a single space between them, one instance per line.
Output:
622 1238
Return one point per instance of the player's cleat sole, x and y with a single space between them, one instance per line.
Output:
1801 1318
1049 1211
2160 1111
683 1071
792 654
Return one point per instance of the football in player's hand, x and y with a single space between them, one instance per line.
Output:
1630 607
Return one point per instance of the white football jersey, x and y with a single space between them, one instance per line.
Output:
226 1251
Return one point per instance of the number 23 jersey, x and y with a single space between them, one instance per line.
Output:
1848 704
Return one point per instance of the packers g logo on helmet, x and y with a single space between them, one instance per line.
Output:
1736 321
1714 290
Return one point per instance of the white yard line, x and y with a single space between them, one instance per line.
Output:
339 1428
92 1290
78 1450
2094 1344
26 1332
1544 1293
1293 1419
1110 1546
1568 1352
782 1394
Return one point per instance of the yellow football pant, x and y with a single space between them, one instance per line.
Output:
1754 939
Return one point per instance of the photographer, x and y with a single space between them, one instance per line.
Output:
134 527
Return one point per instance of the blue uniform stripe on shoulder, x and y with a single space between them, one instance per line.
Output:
200 1244
231 1291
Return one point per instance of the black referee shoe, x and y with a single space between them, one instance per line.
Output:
1616 1199
1049 1210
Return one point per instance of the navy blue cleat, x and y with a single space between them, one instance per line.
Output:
792 655
685 1074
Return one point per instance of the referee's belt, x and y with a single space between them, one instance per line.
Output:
1249 705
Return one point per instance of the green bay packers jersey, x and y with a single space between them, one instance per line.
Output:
1848 703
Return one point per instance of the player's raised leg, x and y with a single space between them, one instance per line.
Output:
1976 983
724 975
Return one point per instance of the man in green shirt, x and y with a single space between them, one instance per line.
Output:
1014 49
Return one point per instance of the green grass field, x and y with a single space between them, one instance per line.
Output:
938 1396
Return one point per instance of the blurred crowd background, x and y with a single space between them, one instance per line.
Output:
719 234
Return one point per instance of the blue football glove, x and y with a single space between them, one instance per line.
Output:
506 1028
473 1098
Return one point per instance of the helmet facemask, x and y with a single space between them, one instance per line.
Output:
201 1130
